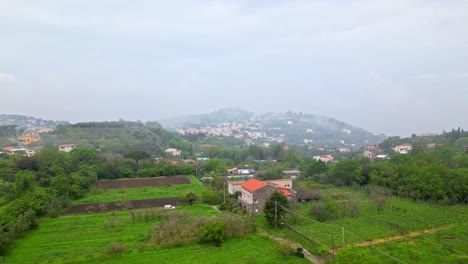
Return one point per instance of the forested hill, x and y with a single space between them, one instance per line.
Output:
116 137
269 128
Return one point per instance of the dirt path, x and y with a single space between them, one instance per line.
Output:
312 258
388 239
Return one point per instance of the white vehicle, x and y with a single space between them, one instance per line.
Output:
168 206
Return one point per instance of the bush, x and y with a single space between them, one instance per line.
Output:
209 196
115 248
285 248
212 232
325 210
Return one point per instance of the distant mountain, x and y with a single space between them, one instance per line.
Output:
268 128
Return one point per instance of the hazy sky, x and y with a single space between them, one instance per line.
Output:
397 67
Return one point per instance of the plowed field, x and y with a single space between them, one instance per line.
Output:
143 182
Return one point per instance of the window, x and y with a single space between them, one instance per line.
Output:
255 200
256 210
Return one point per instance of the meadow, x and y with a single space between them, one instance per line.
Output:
128 194
401 222
114 237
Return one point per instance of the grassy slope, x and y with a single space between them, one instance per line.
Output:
371 225
83 239
113 195
445 246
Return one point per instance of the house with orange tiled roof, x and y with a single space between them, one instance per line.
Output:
232 171
66 147
254 194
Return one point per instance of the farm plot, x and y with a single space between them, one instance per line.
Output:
147 192
400 219
112 206
143 182
120 237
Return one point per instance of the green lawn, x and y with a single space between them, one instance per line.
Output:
84 239
114 195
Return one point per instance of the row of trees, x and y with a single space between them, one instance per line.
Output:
437 175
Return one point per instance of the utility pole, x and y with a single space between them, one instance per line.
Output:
342 240
276 214
224 189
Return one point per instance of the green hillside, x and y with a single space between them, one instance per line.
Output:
116 137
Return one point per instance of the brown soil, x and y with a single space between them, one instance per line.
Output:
388 239
453 238
111 206
142 182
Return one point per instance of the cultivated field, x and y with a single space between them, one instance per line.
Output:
401 220
97 238
143 182
127 236
169 187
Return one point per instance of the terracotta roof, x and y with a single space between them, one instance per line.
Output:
231 170
8 148
252 185
284 191
66 145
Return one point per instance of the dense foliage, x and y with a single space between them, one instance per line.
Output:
274 209
45 183
117 137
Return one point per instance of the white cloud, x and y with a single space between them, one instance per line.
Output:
446 75
7 78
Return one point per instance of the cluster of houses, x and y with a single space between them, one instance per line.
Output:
372 151
29 138
18 151
249 130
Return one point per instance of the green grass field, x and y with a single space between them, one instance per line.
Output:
399 217
114 195
84 239
445 246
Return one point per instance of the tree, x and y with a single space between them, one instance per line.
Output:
274 209
347 172
209 196
311 167
379 196
137 155
214 166
190 198
212 232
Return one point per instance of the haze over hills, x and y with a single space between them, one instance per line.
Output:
228 126
263 129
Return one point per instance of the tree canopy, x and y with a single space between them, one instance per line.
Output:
274 209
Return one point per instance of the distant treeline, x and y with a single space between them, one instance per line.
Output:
8 131
111 124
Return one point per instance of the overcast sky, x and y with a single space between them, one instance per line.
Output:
396 67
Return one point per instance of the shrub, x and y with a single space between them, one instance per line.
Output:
115 248
212 232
